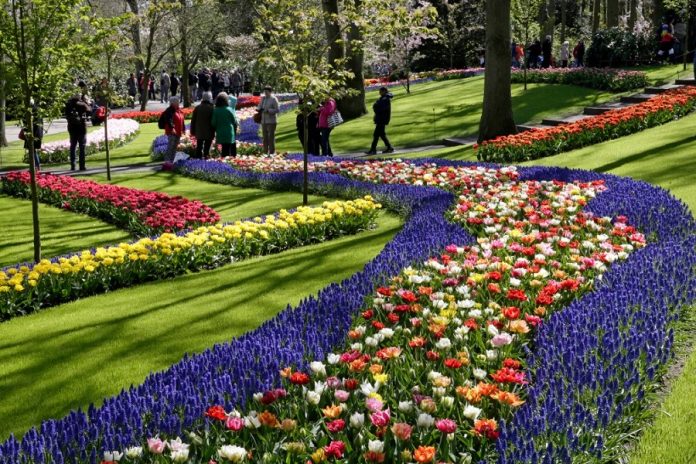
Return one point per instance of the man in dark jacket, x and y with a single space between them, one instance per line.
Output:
77 111
382 109
546 49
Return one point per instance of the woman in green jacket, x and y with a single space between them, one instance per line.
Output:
225 123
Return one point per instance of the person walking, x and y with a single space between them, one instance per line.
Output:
236 83
176 82
77 111
132 85
325 111
534 52
165 83
382 110
173 121
225 124
546 50
269 109
579 54
565 54
202 126
193 85
151 86
38 132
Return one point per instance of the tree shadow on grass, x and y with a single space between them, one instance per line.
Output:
88 353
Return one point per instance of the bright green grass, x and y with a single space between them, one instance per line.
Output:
231 202
438 110
666 74
665 156
135 152
61 231
79 353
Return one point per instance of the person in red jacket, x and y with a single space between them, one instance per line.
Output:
174 127
325 111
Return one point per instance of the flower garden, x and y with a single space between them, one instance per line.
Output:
615 80
447 347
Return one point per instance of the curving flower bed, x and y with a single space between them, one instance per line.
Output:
615 80
138 211
538 143
31 287
588 365
121 132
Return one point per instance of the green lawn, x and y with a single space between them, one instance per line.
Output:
665 156
92 348
437 110
63 232
665 74
135 152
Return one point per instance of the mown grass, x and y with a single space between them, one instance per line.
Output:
79 353
438 110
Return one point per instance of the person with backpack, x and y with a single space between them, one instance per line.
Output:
326 110
202 126
382 110
225 124
77 111
172 121
165 84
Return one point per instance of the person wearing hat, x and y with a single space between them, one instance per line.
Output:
382 109
269 109
202 127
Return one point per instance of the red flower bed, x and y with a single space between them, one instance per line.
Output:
145 117
539 143
139 211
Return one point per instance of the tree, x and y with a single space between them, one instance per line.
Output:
399 29
496 118
200 24
155 17
451 32
613 12
524 13
596 6
288 29
40 38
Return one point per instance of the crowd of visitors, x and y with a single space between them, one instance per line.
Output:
539 54
206 80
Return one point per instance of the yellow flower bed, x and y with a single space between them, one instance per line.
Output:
28 288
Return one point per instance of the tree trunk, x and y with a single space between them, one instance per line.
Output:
333 32
305 163
186 93
353 106
595 15
632 14
564 18
3 103
613 12
135 36
29 134
496 118
549 19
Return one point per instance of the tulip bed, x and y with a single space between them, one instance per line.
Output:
538 143
28 288
141 212
493 348
144 117
615 80
121 132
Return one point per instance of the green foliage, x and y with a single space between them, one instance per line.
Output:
296 49
41 40
616 47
